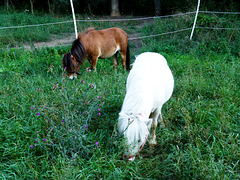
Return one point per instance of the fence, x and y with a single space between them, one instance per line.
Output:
137 19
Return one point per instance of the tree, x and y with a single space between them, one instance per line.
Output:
115 8
157 7
31 2
50 10
6 2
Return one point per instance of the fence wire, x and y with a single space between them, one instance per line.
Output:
116 20
134 19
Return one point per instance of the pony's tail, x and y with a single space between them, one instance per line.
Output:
128 62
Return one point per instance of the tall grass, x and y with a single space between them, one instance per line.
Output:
55 128
18 36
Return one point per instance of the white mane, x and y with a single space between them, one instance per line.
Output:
149 85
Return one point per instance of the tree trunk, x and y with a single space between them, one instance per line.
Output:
31 2
50 7
157 7
115 8
6 2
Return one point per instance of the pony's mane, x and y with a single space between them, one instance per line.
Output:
78 50
135 130
66 61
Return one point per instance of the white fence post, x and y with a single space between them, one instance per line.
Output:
74 19
195 20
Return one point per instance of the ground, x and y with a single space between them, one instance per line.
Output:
69 39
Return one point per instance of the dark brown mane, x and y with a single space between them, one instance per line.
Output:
78 50
66 61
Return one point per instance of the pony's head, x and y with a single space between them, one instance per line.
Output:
135 131
70 65
72 61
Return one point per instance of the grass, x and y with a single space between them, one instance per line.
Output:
18 36
55 128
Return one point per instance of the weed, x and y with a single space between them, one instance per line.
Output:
55 128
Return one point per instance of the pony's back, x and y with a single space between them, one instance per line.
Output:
86 31
150 83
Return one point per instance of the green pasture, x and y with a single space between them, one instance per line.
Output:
55 128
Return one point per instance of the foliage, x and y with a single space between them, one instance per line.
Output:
55 128
127 7
205 41
17 36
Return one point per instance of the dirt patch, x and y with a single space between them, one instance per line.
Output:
56 42
68 41
70 38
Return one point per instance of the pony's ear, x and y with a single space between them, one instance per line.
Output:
65 54
148 121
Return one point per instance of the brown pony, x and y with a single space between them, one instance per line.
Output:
93 44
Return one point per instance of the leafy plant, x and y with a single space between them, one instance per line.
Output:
55 128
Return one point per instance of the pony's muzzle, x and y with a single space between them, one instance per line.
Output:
129 158
72 76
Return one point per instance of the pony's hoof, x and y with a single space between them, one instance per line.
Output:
128 158
162 125
89 69
152 143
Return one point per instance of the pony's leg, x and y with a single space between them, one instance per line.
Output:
160 120
90 60
123 57
94 60
154 116
115 61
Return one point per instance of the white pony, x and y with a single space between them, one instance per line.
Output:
149 85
